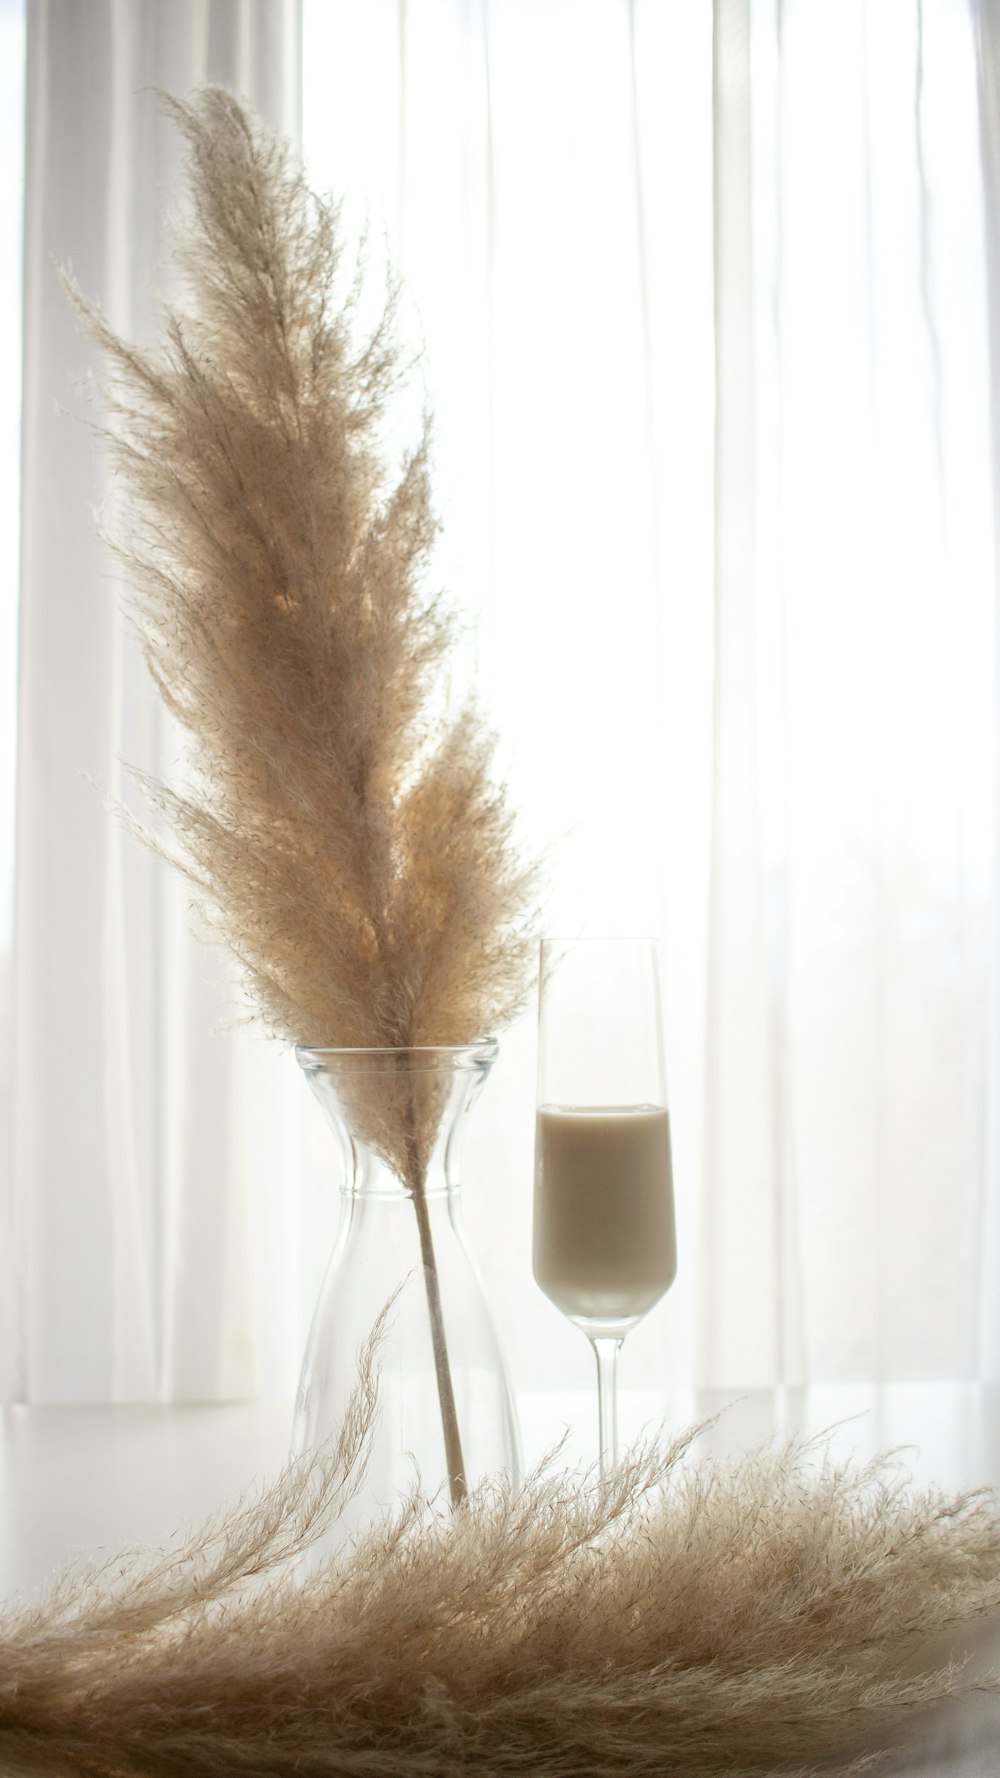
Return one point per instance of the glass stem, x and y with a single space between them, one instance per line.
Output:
606 1352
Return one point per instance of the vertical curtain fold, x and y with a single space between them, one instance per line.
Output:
988 93
741 1209
130 1254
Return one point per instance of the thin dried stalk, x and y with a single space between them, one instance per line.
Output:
343 830
678 1617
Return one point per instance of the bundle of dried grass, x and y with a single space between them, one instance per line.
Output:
343 828
676 1618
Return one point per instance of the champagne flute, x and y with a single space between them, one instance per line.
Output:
604 1248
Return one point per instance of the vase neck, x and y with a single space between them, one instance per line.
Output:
398 1115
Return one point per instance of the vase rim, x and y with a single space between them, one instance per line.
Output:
481 1049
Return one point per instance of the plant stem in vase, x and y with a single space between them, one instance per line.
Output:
445 1401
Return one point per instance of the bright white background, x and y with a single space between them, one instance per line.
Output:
740 651
704 301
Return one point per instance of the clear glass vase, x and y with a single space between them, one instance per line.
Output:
446 1416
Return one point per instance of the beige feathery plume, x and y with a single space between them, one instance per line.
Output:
344 831
679 1617
346 836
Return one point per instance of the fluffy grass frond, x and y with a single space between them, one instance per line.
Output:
343 827
344 831
680 1617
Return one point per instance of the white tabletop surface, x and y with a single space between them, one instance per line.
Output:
81 1481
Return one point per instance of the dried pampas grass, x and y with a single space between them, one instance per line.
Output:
343 826
677 1617
343 829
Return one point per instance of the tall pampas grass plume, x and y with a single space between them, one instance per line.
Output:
343 827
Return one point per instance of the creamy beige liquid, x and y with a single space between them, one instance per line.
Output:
604 1242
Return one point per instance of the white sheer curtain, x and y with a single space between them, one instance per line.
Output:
125 1257
706 321
706 303
850 1078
